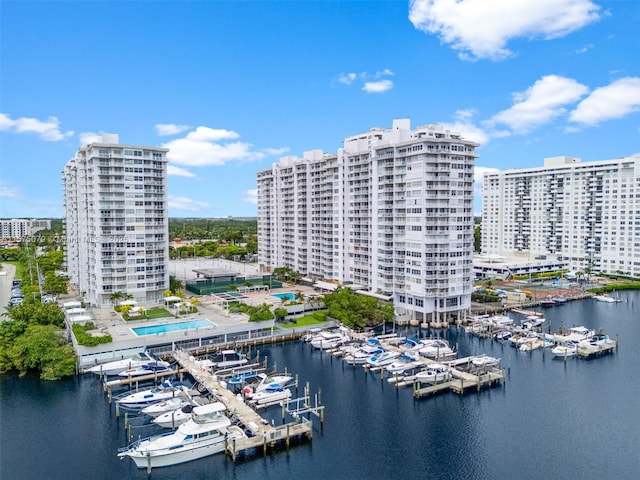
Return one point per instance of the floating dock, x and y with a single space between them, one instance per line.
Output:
265 435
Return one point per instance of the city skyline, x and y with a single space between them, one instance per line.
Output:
231 87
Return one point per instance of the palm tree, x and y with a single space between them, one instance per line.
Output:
116 296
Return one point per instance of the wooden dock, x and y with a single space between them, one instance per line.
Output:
463 382
265 435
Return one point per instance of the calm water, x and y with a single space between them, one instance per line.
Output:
578 419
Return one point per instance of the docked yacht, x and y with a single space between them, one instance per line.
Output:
381 359
267 382
573 334
157 409
484 361
532 322
117 366
270 396
204 434
362 354
606 298
328 338
146 369
409 374
175 418
434 373
402 363
565 349
142 398
437 349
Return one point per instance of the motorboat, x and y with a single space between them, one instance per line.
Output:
597 340
484 361
573 334
382 359
410 345
531 343
409 374
146 369
310 335
565 349
270 395
175 418
502 335
202 435
402 363
606 298
244 378
559 299
142 398
362 354
327 338
434 373
173 403
227 359
532 322
500 321
437 349
117 366
547 302
267 382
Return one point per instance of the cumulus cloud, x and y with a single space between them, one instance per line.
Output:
371 82
481 29
186 204
616 100
539 104
164 129
377 87
347 78
48 130
179 172
250 196
465 126
208 146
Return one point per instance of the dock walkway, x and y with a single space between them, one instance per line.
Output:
264 434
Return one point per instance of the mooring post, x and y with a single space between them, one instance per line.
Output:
148 463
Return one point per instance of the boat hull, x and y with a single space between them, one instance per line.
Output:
176 455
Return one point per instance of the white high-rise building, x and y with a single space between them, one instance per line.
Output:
20 228
116 221
587 214
392 212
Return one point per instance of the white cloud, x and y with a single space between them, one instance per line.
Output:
250 196
207 146
467 128
384 73
585 49
48 130
170 129
378 87
186 204
482 28
347 78
179 172
89 137
616 100
7 192
539 104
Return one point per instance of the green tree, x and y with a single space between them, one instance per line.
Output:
175 284
280 313
55 284
34 312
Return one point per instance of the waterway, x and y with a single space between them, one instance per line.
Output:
550 419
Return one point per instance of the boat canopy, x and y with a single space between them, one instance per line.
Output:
210 408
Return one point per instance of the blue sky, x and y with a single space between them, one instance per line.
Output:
231 87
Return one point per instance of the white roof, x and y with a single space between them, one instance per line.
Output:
80 318
75 311
71 305
172 299
128 302
326 286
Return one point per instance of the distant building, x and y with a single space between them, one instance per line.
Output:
17 229
586 215
116 221
390 214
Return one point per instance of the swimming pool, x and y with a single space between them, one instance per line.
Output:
172 327
285 296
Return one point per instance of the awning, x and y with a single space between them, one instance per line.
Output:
325 286
71 305
75 311
129 302
386 298
80 318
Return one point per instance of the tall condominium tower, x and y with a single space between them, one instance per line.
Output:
116 221
585 213
392 212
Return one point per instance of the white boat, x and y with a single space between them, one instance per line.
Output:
146 369
267 382
409 345
532 343
270 396
142 398
484 361
402 363
532 322
565 349
328 339
382 359
606 298
573 334
159 408
436 349
362 354
227 359
407 375
434 373
175 418
500 321
204 434
502 335
117 366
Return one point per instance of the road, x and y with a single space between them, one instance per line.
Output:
6 277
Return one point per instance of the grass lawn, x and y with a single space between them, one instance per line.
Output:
19 269
313 319
157 313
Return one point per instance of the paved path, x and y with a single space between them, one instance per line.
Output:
6 277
